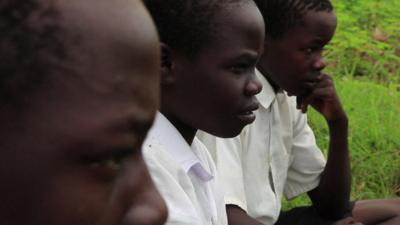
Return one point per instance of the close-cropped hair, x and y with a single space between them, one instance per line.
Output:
29 40
281 15
187 25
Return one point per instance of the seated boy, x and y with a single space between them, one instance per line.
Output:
207 46
78 83
278 154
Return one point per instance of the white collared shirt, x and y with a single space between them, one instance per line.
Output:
185 176
276 154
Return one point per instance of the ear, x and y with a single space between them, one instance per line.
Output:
167 65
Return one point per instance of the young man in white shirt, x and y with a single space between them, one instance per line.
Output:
278 154
209 53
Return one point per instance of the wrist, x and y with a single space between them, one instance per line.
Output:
339 120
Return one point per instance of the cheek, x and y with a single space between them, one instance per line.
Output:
220 90
73 199
301 64
228 94
289 61
136 190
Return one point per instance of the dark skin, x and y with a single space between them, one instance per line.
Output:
191 86
378 211
73 156
294 62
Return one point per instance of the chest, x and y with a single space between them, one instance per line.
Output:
271 138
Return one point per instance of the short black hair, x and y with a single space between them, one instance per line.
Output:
187 25
29 41
281 15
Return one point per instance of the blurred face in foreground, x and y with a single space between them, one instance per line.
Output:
73 157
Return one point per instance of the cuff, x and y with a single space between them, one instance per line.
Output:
294 190
235 201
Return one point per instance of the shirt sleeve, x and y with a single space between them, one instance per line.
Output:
227 154
307 160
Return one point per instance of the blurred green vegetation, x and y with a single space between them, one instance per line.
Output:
367 42
364 59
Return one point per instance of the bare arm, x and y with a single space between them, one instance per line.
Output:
237 216
331 197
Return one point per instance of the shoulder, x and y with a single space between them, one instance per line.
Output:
298 118
158 159
292 105
216 146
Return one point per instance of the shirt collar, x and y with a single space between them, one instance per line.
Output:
170 138
267 94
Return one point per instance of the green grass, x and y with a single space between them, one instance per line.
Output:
374 138
366 43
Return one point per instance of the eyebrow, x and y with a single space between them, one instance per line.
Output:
317 41
132 123
249 56
320 41
132 126
139 125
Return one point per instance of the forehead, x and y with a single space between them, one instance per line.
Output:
112 66
320 22
315 25
238 25
112 44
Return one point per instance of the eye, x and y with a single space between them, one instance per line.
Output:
312 50
108 165
308 51
112 163
240 68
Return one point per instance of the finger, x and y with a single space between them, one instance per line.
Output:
325 75
304 107
314 77
321 88
319 94
308 86
300 99
306 101
324 82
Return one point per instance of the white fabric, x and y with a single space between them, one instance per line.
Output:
276 154
185 176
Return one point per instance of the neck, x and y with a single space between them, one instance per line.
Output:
263 68
187 132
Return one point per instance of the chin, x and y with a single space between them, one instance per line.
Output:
294 92
229 133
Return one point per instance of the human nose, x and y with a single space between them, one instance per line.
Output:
319 63
146 206
253 86
151 210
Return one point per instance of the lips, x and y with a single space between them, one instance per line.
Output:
247 115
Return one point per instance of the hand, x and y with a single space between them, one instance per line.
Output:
347 221
323 98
